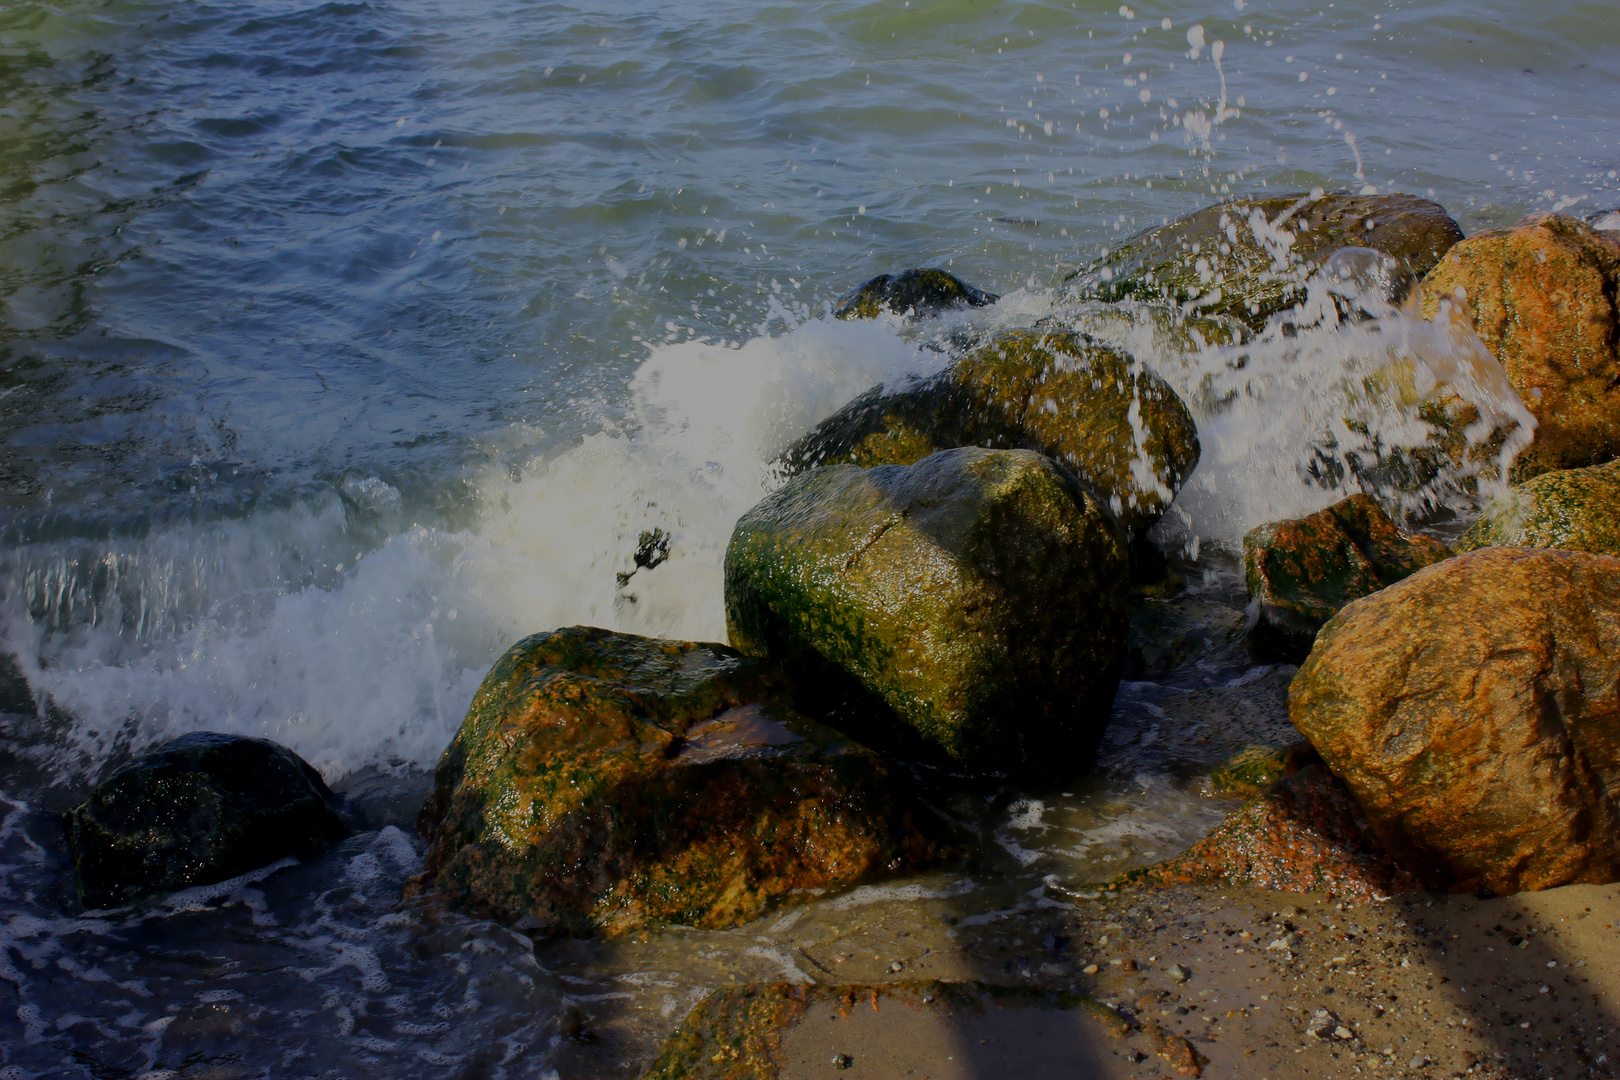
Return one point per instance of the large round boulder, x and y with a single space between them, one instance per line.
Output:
1574 509
603 782
980 595
1302 571
1473 710
1121 429
1248 257
1541 296
195 811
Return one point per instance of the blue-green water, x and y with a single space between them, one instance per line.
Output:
342 344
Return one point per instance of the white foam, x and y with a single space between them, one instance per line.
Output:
271 626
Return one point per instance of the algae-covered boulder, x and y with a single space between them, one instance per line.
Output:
1302 572
1541 296
1303 833
197 810
920 292
604 781
981 595
1473 710
1247 258
1574 509
1119 427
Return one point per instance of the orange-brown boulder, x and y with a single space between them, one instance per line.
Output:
1542 297
1473 710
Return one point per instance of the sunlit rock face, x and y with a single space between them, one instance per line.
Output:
1472 711
1121 429
980 595
604 782
1542 297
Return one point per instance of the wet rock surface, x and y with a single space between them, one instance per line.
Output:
1302 572
1120 428
1574 509
919 292
197 810
1304 833
1542 297
1471 711
1247 258
603 782
980 595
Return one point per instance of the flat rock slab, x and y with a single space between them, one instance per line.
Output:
903 1031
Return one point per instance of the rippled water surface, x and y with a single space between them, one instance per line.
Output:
343 344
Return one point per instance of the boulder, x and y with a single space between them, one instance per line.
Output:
1473 712
1301 572
917 293
1541 296
1119 427
979 595
1574 509
1304 833
604 782
1247 258
197 810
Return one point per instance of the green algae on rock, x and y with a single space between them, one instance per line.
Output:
1573 509
1303 833
1119 427
604 782
919 292
980 594
1257 766
1247 258
763 1031
197 810
1301 572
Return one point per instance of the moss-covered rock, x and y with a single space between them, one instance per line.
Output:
1302 572
981 595
1574 509
603 782
1119 427
1247 258
197 810
1542 297
920 292
1259 765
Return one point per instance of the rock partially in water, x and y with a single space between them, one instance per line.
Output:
1304 833
981 595
1574 509
1170 636
197 810
1541 295
1247 258
1119 427
603 782
918 293
1259 765
1301 572
1472 711
904 1028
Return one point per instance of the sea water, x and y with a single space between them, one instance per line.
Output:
341 345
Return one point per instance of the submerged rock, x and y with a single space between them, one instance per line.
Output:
920 292
1247 258
197 810
603 782
981 595
1301 572
1542 297
1304 833
1119 427
1471 710
1574 509
767 1030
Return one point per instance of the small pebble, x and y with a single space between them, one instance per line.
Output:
1417 1062
896 966
1090 969
842 1061
1178 973
1342 1032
